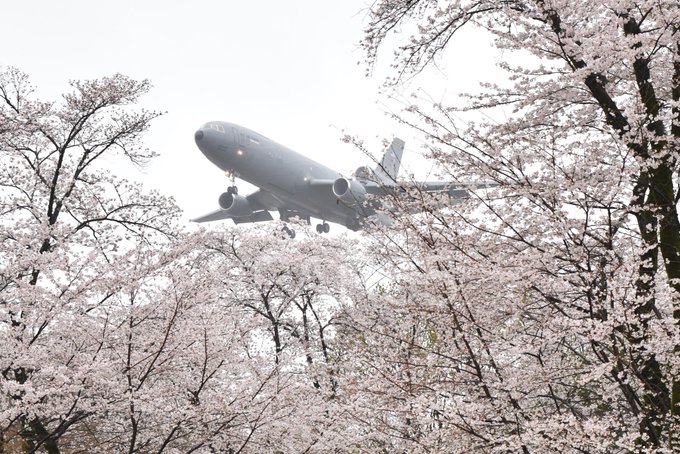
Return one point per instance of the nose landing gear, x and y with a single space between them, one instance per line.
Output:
232 189
323 228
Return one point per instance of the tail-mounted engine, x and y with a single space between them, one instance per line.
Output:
364 173
235 205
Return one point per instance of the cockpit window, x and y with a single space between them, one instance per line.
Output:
216 126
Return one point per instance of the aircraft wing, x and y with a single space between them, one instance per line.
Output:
258 200
455 190
257 216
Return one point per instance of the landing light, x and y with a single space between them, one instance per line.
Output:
239 152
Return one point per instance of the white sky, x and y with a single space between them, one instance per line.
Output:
286 69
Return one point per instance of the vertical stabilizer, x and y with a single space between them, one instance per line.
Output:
388 168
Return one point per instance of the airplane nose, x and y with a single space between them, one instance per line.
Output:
198 136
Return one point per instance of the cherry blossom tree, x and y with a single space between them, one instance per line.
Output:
538 315
63 219
123 332
221 344
541 315
288 297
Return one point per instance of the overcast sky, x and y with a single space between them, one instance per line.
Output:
287 69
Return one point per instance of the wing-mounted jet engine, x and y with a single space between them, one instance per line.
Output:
235 205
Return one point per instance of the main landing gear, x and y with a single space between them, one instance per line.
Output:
323 228
232 190
290 232
285 216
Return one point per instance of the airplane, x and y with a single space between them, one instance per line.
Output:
297 186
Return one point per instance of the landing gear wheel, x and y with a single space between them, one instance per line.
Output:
323 228
232 190
290 232
319 228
